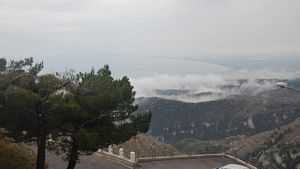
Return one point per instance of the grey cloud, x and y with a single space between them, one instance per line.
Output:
219 84
148 28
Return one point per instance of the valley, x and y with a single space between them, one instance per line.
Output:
262 128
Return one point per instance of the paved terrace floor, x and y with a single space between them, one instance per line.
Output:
86 162
106 162
193 163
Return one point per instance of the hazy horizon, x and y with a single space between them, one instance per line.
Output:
115 32
149 39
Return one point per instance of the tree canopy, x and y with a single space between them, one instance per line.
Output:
70 113
94 111
23 105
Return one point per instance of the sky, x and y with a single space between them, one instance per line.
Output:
142 38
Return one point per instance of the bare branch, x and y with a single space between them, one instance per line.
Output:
13 81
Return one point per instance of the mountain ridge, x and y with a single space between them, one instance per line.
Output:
234 115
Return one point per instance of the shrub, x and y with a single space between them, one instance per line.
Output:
14 156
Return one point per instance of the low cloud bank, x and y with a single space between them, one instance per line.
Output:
206 87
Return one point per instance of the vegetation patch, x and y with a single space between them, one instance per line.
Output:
15 156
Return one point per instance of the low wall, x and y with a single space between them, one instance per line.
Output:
239 161
117 157
132 161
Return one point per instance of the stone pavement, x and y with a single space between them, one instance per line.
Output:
188 163
86 162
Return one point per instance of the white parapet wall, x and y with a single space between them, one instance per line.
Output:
121 152
132 160
110 150
132 157
198 156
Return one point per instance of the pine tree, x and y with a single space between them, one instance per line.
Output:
70 113
23 102
95 111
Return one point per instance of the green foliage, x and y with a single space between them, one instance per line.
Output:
93 112
26 65
77 113
18 114
17 98
87 140
2 64
24 102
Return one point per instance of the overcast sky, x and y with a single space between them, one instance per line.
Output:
79 34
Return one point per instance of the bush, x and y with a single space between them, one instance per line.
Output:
14 156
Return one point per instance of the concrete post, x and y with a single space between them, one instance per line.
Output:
132 156
110 149
121 152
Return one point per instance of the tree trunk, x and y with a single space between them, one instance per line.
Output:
41 136
40 160
73 155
